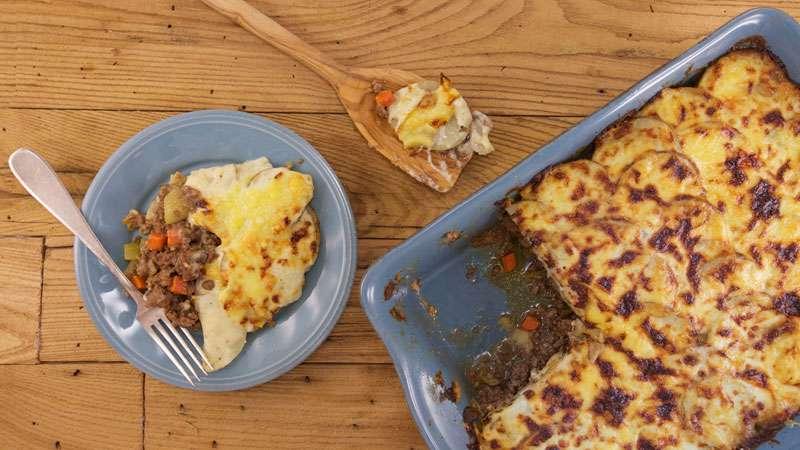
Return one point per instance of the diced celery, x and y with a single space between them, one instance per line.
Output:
130 251
176 208
130 269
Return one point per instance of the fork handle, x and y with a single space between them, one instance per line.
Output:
41 181
254 21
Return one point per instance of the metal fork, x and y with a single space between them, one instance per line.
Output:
39 179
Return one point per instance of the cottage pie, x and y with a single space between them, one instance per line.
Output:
226 246
676 245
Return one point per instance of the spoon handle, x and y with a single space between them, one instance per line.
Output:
270 31
39 179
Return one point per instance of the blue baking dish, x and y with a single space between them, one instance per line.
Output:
421 345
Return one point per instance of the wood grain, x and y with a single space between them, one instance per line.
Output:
79 77
70 406
354 86
437 170
315 406
506 57
385 201
20 276
69 335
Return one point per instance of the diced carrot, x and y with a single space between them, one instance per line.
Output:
385 98
174 237
138 282
178 286
156 241
529 323
509 261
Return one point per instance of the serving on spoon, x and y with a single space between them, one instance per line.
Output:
423 127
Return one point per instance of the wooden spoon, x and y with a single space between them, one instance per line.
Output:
439 170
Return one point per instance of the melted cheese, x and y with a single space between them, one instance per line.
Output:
429 116
269 236
405 100
679 243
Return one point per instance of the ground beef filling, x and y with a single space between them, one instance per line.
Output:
380 110
184 257
498 375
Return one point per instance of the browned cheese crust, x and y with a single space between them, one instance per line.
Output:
677 244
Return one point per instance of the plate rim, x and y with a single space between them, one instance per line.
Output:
339 297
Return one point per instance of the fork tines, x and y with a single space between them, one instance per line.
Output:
175 346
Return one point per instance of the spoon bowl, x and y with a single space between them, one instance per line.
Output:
437 169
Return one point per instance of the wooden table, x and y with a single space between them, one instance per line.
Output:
78 78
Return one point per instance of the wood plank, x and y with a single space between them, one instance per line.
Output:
21 215
21 278
68 333
69 406
59 241
506 56
313 406
61 135
386 202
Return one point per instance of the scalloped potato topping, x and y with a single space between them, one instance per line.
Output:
269 239
436 117
678 243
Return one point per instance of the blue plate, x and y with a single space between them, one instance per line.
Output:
420 346
131 177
